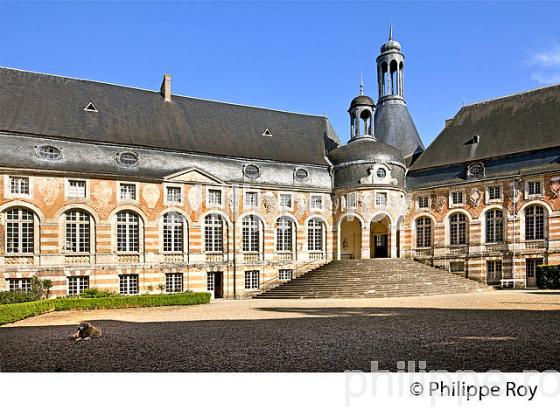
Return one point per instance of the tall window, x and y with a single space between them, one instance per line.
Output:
213 233
458 229
128 284
315 235
19 231
77 228
173 282
284 234
252 279
423 232
494 226
19 185
534 222
172 232
128 232
251 232
77 284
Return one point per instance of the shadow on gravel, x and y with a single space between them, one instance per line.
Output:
324 340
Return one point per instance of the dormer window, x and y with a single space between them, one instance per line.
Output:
90 107
49 153
301 174
251 171
267 133
475 171
381 173
128 159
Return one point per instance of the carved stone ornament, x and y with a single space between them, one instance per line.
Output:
474 198
151 195
369 178
439 203
49 190
102 194
555 187
269 203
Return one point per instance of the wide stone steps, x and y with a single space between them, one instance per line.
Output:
373 278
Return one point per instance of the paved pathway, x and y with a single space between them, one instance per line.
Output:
507 330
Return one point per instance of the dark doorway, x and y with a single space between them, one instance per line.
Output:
380 243
216 284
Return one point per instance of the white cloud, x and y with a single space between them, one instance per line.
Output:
547 64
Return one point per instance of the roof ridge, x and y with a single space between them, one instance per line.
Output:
157 92
489 100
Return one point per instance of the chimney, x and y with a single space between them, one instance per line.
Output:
165 89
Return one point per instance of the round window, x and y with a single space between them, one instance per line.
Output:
49 152
252 171
381 173
301 174
128 159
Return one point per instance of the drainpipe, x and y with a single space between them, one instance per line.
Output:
233 236
516 181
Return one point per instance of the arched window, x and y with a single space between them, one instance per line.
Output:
20 231
213 233
534 222
315 235
284 234
423 232
393 73
173 228
494 225
458 229
128 232
251 233
365 117
77 231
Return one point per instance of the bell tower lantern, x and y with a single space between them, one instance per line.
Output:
361 113
390 69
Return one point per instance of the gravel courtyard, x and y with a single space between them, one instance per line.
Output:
504 330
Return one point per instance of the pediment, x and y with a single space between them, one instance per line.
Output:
193 175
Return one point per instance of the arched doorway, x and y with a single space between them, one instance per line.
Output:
350 238
380 237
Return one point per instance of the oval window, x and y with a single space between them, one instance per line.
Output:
128 159
49 153
301 174
381 173
252 171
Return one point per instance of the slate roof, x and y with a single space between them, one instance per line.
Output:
518 123
48 105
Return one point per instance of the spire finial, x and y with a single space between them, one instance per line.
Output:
361 84
391 30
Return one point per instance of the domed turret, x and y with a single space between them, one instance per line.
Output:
361 112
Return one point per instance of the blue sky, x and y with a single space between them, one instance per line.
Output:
303 57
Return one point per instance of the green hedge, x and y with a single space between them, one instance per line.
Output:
17 311
548 276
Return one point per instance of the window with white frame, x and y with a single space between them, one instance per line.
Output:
173 194
173 228
534 188
213 233
285 274
251 199
211 281
128 232
534 222
351 200
423 202
494 193
284 234
20 285
458 229
128 284
493 271
285 200
315 235
127 192
252 279
20 231
316 202
19 185
173 282
251 233
77 284
380 199
214 197
457 198
76 188
423 232
77 231
494 226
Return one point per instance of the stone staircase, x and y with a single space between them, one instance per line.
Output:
373 278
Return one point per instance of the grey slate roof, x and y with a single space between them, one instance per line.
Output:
523 122
366 149
48 105
394 126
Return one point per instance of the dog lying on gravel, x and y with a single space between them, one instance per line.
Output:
86 331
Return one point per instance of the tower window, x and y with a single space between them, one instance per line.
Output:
381 173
